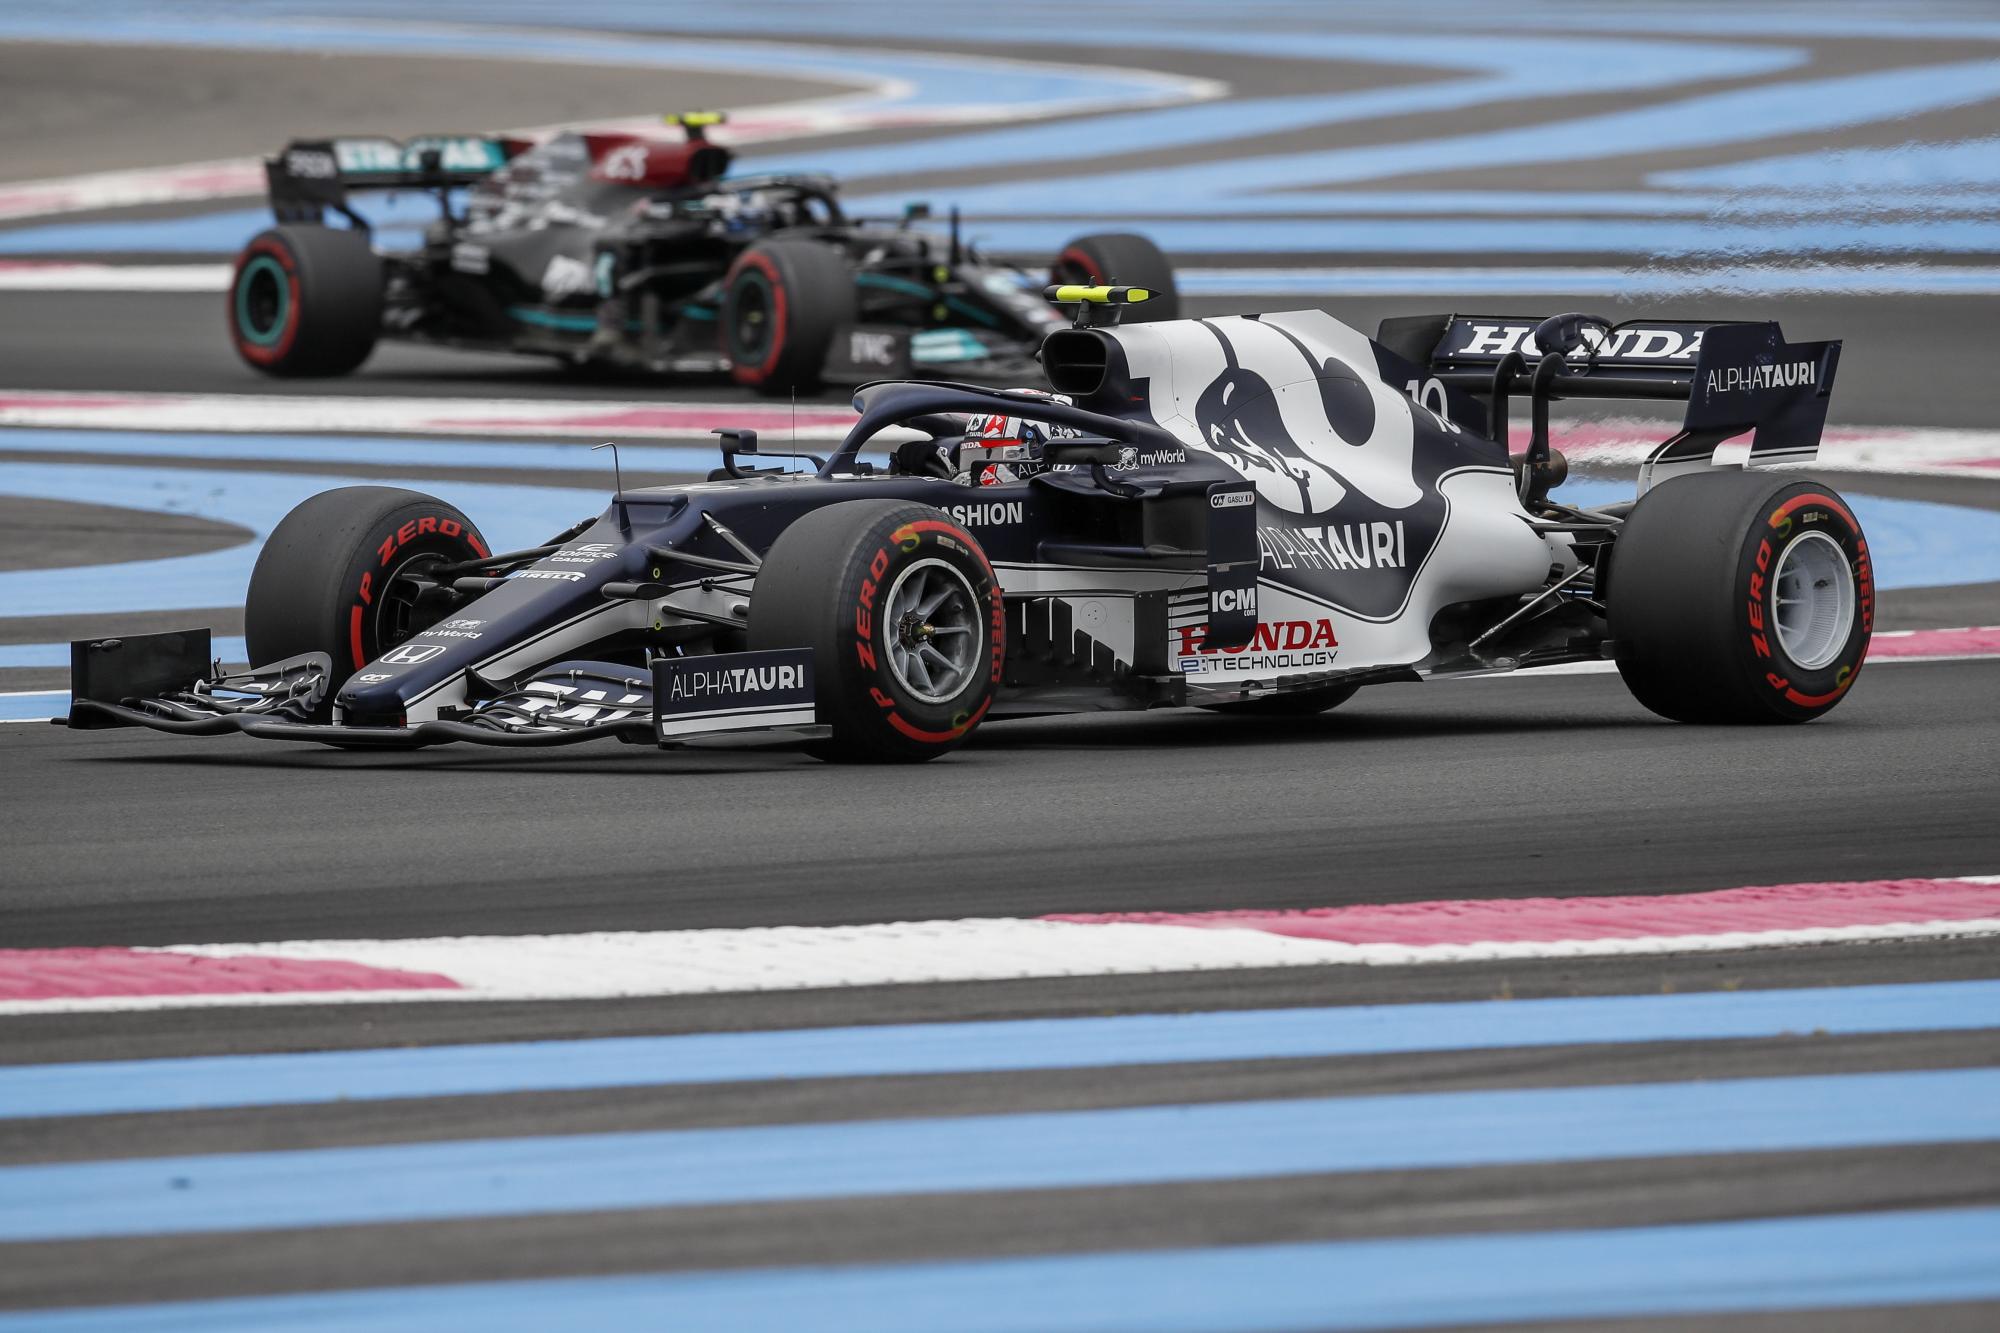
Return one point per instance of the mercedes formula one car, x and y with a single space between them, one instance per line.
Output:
628 250
1258 513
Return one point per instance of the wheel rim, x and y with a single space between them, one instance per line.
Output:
398 616
750 333
933 615
1068 270
263 300
1813 600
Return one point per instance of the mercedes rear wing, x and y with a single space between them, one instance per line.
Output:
313 175
1734 376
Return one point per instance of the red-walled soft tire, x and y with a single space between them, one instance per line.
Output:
306 301
1127 259
335 576
1740 596
783 301
903 616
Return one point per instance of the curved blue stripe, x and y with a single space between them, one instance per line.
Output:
104 1088
1052 1150
510 517
1832 1262
1915 544
995 226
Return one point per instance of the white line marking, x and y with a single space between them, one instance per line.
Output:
783 958
878 101
1543 280
1214 282
1898 449
524 417
137 278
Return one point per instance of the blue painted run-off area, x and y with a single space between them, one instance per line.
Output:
1538 1278
681 1168
907 1049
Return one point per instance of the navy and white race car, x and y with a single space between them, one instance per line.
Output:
1257 513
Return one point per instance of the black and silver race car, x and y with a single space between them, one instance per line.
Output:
1258 513
634 251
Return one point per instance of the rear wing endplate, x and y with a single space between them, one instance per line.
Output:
312 175
1734 376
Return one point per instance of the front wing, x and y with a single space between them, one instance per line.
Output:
169 682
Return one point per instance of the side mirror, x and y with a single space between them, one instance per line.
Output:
1564 333
1069 452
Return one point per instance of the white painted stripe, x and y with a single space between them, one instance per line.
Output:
189 181
1614 440
52 277
507 417
878 100
1923 279
1538 280
783 958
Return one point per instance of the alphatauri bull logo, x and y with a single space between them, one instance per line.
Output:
1346 467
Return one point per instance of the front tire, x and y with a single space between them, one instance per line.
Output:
782 303
1740 597
339 575
1125 258
306 301
903 616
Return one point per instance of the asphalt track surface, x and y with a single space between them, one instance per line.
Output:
1480 789
1411 793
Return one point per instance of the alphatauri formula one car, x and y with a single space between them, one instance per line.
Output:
628 250
1261 514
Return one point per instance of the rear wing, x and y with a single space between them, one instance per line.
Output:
313 175
1734 376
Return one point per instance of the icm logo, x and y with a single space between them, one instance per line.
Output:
1228 600
410 654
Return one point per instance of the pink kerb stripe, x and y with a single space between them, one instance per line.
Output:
1972 641
64 974
1543 920
660 418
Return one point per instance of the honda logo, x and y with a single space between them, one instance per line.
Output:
412 653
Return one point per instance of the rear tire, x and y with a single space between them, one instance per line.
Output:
1740 597
782 303
903 616
1127 259
334 576
306 301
